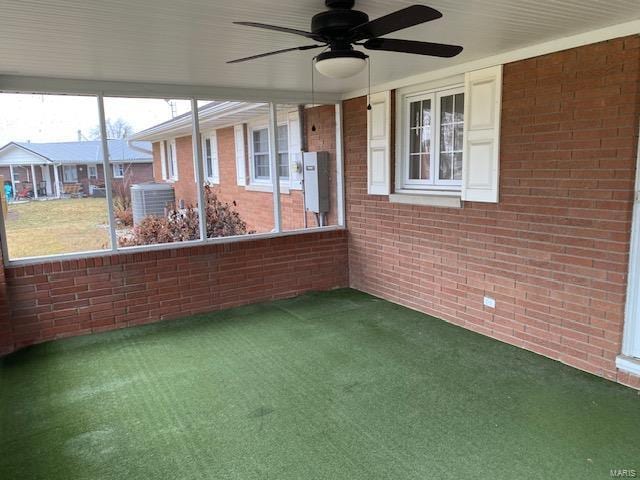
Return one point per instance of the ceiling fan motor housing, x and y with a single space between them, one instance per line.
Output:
336 22
339 3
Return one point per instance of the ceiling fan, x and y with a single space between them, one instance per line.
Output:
340 28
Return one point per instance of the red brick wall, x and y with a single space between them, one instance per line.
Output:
73 297
554 251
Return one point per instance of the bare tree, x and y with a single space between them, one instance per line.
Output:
117 129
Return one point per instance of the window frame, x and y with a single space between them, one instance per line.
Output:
170 159
261 181
89 174
212 138
255 180
64 174
433 185
119 166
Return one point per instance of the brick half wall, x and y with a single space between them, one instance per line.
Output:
73 297
554 251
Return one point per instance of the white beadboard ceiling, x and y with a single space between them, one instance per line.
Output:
188 41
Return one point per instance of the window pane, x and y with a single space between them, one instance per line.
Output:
208 160
446 168
446 109
414 140
261 141
446 138
414 167
58 149
239 156
415 112
261 163
457 166
426 112
459 108
155 200
283 138
457 138
425 140
314 202
283 165
424 167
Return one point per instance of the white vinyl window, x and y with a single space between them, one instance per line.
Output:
70 174
171 157
432 135
260 139
92 171
210 158
260 153
118 170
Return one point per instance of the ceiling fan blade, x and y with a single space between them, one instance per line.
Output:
284 50
405 18
315 37
409 46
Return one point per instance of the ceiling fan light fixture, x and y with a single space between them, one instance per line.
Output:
341 64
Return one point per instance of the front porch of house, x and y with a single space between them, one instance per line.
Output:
47 181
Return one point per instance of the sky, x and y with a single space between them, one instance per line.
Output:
57 118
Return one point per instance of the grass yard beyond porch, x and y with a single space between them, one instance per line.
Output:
57 226
336 385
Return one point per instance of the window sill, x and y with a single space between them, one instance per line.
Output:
431 199
284 189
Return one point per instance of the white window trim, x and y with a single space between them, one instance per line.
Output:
89 174
168 147
116 174
285 183
433 91
213 140
64 168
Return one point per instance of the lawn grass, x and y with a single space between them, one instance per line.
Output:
57 226
336 385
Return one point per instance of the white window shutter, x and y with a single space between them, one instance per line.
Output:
295 150
378 144
481 154
214 156
241 170
163 159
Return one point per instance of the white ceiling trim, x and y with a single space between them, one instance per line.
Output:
71 86
573 41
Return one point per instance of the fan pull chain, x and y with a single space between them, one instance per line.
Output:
369 89
313 97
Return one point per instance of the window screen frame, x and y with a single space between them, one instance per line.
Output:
433 182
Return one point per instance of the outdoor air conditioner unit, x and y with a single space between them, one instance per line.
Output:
151 199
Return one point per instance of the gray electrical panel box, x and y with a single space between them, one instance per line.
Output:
316 181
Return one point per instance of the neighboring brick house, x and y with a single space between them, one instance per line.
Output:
51 166
236 159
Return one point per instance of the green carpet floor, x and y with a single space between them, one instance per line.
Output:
336 385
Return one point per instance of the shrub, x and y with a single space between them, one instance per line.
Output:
122 208
178 226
